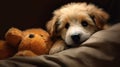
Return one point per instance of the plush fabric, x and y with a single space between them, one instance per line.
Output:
101 50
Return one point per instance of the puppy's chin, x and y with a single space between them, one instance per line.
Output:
75 44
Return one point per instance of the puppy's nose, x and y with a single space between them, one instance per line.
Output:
76 38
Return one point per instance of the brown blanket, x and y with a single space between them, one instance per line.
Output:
101 50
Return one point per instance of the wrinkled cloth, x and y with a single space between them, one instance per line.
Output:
102 49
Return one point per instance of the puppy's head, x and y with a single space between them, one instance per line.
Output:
76 22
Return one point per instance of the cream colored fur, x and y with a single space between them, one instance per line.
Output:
75 16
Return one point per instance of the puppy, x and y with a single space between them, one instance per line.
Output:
74 23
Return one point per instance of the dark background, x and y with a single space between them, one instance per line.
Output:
35 13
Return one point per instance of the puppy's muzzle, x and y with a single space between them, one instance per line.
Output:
76 38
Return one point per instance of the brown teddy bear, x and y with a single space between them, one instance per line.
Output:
30 42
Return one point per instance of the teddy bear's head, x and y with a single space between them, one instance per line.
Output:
35 40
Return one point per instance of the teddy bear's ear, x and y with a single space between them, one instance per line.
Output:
13 36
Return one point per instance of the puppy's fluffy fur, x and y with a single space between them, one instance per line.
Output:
74 23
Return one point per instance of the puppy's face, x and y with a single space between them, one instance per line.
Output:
76 22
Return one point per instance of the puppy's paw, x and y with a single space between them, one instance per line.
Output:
58 47
25 53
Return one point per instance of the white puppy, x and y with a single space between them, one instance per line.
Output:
74 23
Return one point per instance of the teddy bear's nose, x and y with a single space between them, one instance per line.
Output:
31 36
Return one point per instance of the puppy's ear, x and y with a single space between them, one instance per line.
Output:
52 26
99 16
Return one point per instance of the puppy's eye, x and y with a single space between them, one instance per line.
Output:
84 23
67 26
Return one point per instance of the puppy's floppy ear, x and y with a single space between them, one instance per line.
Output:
99 16
52 26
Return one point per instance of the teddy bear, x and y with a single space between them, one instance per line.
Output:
30 42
